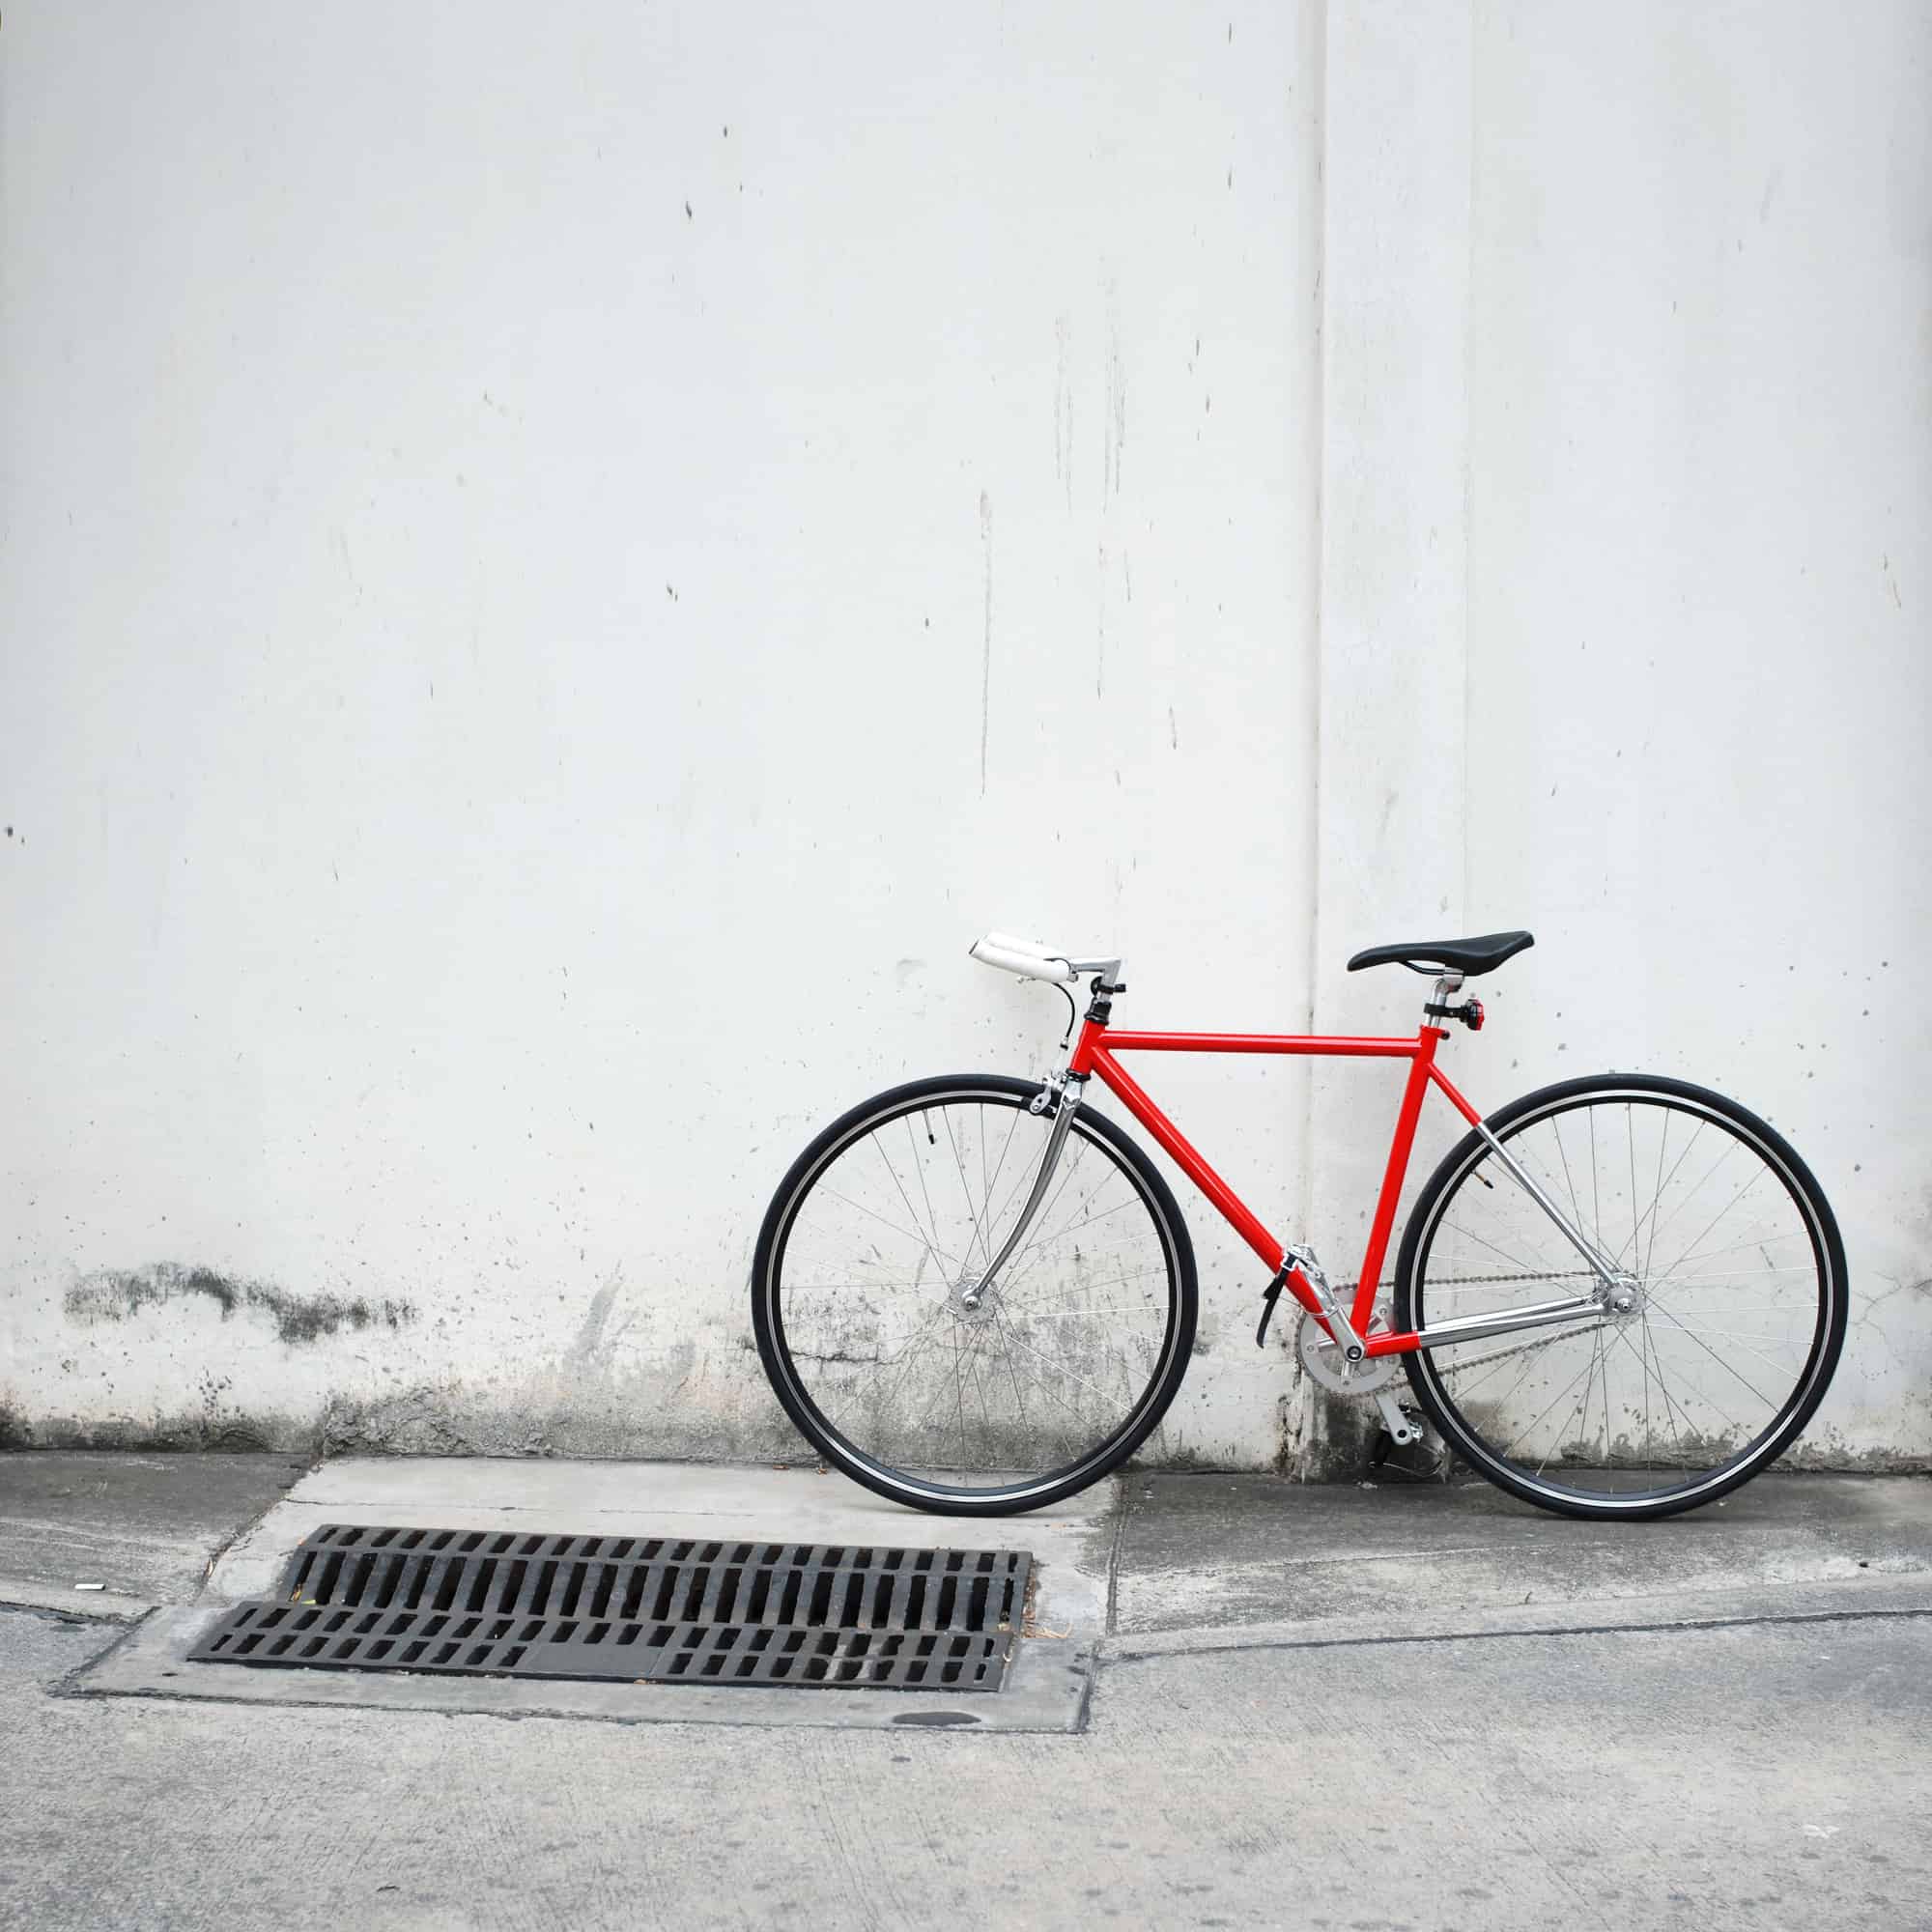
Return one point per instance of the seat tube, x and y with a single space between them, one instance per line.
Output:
1392 1179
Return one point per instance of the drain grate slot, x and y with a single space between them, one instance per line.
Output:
653 1609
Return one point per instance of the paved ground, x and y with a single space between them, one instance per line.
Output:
1337 1558
144 1528
1724 1729
1046 1686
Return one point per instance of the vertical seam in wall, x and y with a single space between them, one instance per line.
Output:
1463 907
1317 682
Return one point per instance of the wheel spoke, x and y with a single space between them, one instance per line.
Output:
920 1239
979 1232
927 1242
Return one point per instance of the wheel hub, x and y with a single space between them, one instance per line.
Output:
973 1302
1624 1298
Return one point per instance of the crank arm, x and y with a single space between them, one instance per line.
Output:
1401 1431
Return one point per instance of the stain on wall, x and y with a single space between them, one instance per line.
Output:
117 1294
986 637
545 1417
216 1430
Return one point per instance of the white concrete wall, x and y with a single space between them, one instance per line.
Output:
561 565
1700 578
556 567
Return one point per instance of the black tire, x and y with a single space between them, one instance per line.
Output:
1813 1249
1030 1488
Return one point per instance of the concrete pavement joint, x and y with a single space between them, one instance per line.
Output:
250 1525
1122 1508
48 1613
69 1683
96 1607
1676 1625
913 1713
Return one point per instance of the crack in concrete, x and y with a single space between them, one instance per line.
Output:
1670 1627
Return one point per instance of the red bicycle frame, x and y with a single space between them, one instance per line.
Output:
1093 1054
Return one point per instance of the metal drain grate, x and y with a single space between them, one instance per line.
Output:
648 1608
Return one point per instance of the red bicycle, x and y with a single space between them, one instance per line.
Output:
1617 1297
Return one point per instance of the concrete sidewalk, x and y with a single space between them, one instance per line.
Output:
1144 1562
1046 1685
105 1534
1398 1706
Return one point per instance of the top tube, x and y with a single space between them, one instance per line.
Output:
1350 1046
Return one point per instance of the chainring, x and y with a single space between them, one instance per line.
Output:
1321 1360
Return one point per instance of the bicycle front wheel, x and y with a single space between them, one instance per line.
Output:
1067 1362
1733 1331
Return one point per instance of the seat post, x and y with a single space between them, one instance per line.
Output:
1450 982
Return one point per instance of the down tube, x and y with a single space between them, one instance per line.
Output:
1419 1070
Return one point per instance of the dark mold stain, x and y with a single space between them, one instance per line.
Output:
421 1421
113 1294
1338 1447
444 1416
208 1428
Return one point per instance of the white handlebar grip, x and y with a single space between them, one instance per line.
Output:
1028 965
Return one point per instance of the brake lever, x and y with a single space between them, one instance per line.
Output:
1269 1297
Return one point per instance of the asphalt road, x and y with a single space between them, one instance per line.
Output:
1771 1774
1337 1707
133 1529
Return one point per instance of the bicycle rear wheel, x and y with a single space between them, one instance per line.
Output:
1739 1312
1054 1380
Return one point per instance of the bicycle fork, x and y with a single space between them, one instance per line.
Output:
1062 1093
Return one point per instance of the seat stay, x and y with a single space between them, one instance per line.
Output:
1600 1265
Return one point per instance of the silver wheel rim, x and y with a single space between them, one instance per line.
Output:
1709 1375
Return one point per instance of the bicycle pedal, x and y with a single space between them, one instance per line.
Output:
1423 1459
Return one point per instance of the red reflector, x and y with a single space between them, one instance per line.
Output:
1475 1015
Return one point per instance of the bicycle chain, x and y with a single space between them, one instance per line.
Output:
1473 1280
1521 1348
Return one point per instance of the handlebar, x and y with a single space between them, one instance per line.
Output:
1027 957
